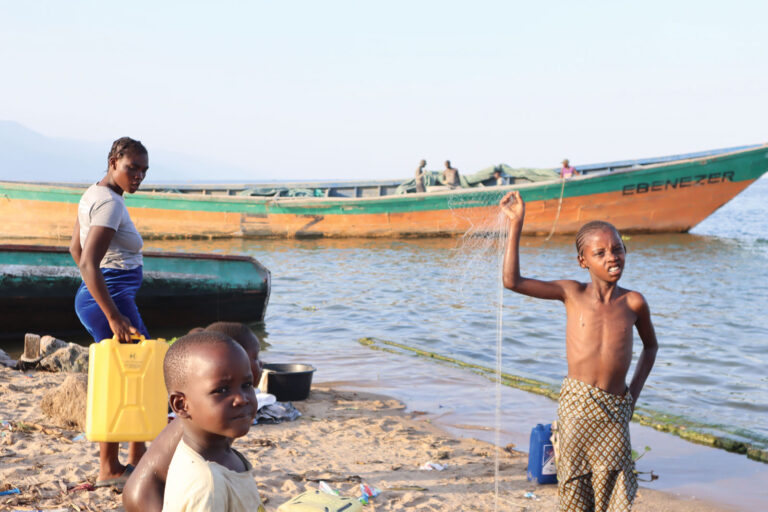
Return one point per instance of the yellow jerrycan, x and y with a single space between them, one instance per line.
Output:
127 400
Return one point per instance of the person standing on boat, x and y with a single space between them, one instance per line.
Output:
107 249
497 176
451 175
419 176
567 172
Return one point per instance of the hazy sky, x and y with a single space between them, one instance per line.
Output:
360 89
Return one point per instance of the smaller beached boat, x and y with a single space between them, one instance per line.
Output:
180 290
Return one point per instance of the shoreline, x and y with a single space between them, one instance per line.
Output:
681 427
343 438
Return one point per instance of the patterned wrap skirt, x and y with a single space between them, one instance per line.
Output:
595 470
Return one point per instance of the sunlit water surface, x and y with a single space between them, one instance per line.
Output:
707 290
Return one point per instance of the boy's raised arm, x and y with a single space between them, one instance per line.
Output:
514 208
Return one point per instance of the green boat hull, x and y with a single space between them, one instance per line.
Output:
666 194
179 290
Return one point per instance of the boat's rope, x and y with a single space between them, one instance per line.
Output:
559 206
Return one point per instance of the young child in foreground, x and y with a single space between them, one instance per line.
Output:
210 388
594 467
144 490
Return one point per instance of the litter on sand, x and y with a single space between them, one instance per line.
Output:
367 493
86 486
327 488
63 509
429 466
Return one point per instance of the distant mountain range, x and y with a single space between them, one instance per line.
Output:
26 155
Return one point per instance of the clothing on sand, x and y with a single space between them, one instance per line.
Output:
197 485
594 466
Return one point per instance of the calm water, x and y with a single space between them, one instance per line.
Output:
708 292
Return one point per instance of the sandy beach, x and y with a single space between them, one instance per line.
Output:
343 438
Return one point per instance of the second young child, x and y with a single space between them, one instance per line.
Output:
594 466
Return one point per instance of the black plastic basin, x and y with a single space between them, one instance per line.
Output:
289 382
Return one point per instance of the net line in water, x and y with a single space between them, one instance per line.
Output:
499 339
480 255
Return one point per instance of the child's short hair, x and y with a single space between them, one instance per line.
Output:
589 227
239 332
177 357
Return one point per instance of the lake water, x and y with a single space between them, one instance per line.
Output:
707 290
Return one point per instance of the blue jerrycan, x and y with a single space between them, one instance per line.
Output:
541 456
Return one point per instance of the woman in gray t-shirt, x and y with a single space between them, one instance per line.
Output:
107 248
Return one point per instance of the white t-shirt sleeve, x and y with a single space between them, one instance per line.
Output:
107 213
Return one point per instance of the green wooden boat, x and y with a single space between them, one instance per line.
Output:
180 290
649 195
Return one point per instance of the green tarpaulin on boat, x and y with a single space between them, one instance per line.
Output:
482 177
282 192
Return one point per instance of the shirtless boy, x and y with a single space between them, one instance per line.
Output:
594 468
